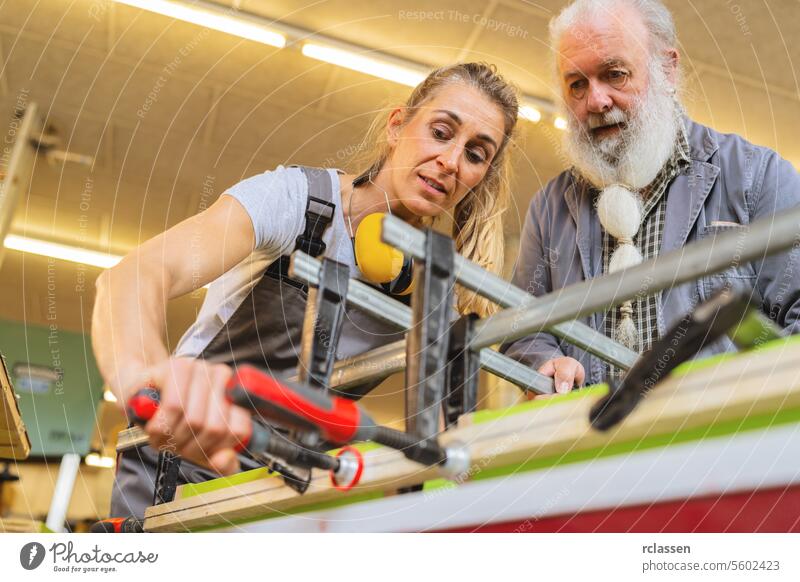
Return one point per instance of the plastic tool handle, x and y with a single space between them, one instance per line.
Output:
336 419
117 525
143 405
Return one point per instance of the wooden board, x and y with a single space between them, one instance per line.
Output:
742 482
14 525
729 393
14 441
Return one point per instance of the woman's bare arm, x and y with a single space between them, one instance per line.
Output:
128 325
128 328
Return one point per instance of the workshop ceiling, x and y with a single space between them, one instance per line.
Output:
228 108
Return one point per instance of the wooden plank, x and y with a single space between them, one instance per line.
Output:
14 441
753 460
7 437
16 525
752 384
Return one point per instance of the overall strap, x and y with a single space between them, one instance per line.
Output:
319 215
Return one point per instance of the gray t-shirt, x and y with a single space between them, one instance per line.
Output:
276 204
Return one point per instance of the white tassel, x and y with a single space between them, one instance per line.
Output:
627 334
625 256
620 212
626 331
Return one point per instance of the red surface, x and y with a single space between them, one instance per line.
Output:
337 424
765 510
143 405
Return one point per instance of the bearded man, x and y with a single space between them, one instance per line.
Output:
645 179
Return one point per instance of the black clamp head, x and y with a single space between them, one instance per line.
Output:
708 322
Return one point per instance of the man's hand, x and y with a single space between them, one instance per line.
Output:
194 418
566 373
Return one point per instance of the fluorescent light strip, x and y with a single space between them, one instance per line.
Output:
95 460
364 64
560 123
244 26
391 72
59 251
65 253
210 17
529 112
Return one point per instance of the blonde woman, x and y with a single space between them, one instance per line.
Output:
442 154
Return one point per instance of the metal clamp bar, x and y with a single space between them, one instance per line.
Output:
763 238
375 364
462 372
306 268
704 325
322 325
166 483
428 339
412 241
386 360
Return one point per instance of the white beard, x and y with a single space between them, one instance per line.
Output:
638 152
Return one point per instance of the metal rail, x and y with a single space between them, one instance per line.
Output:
412 241
371 365
764 237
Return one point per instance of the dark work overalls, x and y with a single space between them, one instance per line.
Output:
265 331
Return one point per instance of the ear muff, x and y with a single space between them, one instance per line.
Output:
380 263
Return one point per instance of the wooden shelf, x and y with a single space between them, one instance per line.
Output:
14 441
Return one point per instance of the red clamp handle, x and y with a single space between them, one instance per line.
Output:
117 525
293 406
336 419
143 405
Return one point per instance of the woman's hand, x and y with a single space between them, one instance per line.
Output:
194 419
565 372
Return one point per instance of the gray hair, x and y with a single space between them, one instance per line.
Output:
657 19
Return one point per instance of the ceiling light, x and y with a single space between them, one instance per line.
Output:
95 460
59 251
560 123
65 253
363 64
353 57
529 112
228 21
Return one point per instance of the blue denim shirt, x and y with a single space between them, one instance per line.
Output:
729 183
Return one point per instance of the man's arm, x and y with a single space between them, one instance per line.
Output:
532 273
778 276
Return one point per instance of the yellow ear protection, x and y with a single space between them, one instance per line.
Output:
380 263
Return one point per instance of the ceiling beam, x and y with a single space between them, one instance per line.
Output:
476 31
3 80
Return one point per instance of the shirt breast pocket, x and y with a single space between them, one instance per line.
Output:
739 277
